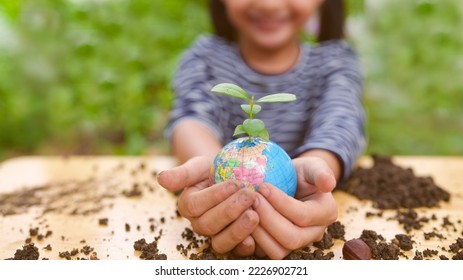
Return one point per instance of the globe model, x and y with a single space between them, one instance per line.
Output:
253 161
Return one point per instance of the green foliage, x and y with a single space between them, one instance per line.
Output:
355 7
10 8
252 127
413 55
94 76
277 97
231 90
91 75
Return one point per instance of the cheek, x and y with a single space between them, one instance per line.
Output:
236 11
303 9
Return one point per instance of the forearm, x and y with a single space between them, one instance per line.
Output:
192 138
331 159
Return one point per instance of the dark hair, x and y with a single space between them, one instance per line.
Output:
332 19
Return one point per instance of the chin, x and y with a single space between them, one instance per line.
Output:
272 42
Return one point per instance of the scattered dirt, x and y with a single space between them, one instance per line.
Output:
380 249
33 231
387 185
74 253
404 242
199 248
306 254
149 251
390 186
103 221
457 247
325 243
430 235
89 195
337 230
134 192
409 219
86 250
28 252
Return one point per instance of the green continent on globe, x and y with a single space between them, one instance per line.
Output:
253 161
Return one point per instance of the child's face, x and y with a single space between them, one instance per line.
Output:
269 24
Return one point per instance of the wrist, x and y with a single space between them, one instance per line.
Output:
330 158
191 138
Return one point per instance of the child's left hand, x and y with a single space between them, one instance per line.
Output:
288 223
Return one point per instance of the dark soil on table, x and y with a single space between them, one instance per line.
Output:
380 248
404 242
319 251
385 184
390 186
149 251
28 252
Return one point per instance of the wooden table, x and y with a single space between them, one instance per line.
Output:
72 194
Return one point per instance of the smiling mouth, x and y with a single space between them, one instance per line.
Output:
269 24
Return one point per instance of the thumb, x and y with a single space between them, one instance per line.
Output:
318 173
325 181
188 174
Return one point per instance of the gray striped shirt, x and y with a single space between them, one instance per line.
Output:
326 79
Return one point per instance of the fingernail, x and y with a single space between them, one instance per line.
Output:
330 180
256 203
264 190
247 242
247 223
232 187
159 174
244 199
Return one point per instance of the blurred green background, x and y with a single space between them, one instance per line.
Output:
93 76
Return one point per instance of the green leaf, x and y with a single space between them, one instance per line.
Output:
277 97
264 135
247 109
253 126
231 90
239 130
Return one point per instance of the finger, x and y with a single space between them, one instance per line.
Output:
259 252
236 233
268 245
325 181
188 174
320 209
216 219
284 231
246 248
195 201
317 172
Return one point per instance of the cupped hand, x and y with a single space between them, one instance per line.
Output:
288 223
221 211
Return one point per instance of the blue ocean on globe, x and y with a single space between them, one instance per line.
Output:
253 161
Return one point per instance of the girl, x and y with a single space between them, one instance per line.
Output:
256 45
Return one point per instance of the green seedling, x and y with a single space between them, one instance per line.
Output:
251 126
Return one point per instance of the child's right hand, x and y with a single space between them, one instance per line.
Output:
222 211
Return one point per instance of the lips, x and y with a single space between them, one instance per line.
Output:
269 24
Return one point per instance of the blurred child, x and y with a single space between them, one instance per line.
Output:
257 46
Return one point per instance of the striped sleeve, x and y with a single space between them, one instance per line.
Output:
337 123
193 99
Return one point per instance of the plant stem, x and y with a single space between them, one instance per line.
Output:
251 106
